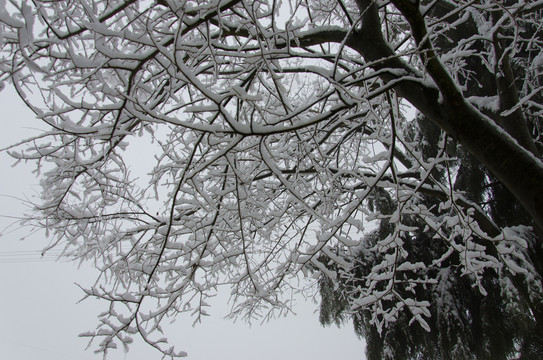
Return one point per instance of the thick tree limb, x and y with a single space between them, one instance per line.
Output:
517 168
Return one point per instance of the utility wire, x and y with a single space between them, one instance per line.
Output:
23 256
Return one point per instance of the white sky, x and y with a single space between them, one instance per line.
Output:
40 317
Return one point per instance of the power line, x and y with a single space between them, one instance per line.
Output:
18 256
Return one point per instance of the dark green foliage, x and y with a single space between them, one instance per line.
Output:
465 323
492 315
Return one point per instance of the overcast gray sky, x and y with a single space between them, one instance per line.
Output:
40 317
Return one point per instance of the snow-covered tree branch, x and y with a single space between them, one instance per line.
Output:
260 145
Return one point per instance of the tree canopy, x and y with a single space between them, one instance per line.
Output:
193 145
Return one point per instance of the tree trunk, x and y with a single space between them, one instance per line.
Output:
519 170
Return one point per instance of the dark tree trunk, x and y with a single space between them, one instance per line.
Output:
515 166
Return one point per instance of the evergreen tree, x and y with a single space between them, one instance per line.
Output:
471 316
474 314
